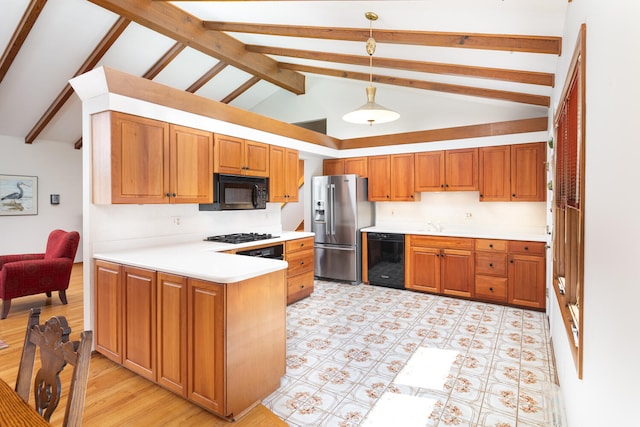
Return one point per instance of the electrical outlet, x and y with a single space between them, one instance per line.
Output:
175 220
468 215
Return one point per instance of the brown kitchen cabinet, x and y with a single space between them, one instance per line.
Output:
221 346
527 281
299 254
172 332
443 265
144 161
349 165
447 170
283 178
139 321
108 306
513 173
237 156
391 178
491 280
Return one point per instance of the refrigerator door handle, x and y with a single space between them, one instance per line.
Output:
332 196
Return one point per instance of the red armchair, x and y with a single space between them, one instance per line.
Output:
30 274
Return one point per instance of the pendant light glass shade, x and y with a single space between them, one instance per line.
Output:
371 112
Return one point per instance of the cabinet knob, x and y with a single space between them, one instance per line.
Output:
491 245
168 195
301 286
301 262
491 289
490 264
173 195
526 248
511 261
412 196
387 196
513 195
482 195
442 185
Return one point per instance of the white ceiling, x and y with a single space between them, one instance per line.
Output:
67 31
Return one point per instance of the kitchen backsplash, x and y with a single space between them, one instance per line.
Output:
461 210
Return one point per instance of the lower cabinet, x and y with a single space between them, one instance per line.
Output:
501 271
222 346
299 254
440 264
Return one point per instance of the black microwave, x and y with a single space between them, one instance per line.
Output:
233 192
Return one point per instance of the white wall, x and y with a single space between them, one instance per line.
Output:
608 394
58 167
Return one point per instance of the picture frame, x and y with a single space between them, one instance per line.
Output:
18 195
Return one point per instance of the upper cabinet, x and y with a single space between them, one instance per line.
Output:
140 160
350 165
283 181
237 156
513 172
391 178
450 170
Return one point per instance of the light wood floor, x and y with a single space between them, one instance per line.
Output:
115 396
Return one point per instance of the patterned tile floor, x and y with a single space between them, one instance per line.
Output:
371 356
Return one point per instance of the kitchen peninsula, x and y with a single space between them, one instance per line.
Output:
207 325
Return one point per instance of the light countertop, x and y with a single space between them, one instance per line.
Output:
202 259
533 234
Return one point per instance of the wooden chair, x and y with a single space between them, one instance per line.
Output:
56 351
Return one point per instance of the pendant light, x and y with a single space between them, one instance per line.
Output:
371 112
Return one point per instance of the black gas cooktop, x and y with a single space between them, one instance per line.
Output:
240 237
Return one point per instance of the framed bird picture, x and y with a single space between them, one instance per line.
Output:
18 195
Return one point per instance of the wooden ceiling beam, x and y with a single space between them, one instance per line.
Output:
20 35
523 98
107 41
517 76
175 23
241 89
214 71
446 134
510 42
162 63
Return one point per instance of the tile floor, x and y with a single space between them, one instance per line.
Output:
371 356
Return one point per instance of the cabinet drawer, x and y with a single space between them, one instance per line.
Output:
491 245
531 248
492 288
442 242
491 264
298 244
299 287
300 262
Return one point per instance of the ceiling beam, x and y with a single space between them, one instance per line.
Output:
175 23
241 89
523 98
509 42
107 41
20 35
446 134
517 76
214 71
162 63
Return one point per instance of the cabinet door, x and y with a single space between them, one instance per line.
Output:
139 347
528 172
139 159
429 171
333 167
379 186
495 173
424 269
191 152
206 345
458 276
108 304
277 158
356 165
291 175
172 332
527 281
461 170
402 177
256 159
228 154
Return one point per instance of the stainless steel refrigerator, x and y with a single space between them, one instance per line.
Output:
339 210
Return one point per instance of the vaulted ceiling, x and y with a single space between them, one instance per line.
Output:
478 52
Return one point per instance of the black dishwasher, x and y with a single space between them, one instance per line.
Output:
385 259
